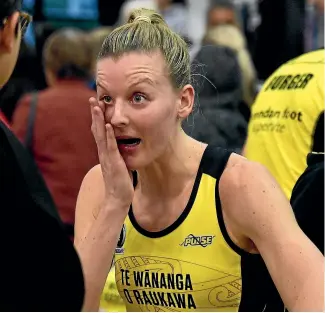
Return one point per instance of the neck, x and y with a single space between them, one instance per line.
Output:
167 176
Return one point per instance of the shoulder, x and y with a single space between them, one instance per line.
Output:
23 104
240 170
245 178
250 196
316 57
234 171
93 181
92 188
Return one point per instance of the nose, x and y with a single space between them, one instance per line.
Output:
118 117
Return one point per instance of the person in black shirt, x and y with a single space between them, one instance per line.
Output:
307 200
39 268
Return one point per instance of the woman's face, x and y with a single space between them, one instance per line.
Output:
141 105
221 16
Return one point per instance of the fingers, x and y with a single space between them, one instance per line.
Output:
98 103
110 139
101 105
104 136
98 127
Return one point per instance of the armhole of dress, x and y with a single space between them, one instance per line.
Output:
220 169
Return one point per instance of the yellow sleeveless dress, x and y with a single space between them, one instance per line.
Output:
192 265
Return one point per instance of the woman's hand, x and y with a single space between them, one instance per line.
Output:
117 179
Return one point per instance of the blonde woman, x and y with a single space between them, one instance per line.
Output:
185 220
231 36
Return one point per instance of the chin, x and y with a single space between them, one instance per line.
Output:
134 163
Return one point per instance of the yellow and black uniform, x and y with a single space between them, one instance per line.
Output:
111 300
287 120
192 265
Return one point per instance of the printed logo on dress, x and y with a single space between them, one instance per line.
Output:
119 248
202 241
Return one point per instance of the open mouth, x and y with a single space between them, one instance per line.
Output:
129 141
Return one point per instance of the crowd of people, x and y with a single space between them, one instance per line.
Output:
141 170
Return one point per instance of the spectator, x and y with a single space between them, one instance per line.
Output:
217 119
221 12
62 145
231 37
175 15
34 247
22 81
307 200
197 15
288 119
280 36
319 4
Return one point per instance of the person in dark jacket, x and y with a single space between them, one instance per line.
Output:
24 79
216 118
307 200
39 268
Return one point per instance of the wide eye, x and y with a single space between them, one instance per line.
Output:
107 99
138 98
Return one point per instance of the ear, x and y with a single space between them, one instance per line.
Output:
187 95
9 34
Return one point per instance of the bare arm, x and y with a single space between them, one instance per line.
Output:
93 237
255 205
97 229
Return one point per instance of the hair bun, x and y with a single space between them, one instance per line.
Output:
146 15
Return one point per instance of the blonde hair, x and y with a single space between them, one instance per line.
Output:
230 36
146 31
67 48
